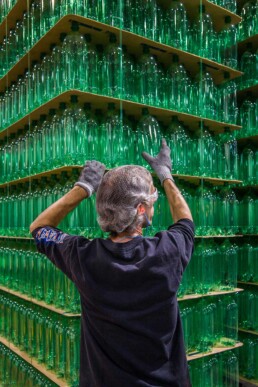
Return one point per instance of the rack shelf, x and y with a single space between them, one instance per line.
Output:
209 294
218 236
247 283
40 303
218 13
192 179
214 351
247 382
242 45
245 140
100 101
40 367
133 41
241 93
248 331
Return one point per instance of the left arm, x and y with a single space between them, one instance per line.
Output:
54 214
88 183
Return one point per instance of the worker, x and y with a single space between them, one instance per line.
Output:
131 332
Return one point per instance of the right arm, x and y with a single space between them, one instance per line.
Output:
162 165
178 206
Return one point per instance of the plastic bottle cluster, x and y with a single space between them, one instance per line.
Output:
5 7
248 65
248 164
77 64
209 322
248 308
248 356
213 267
222 369
231 5
75 133
248 114
169 25
249 24
248 262
51 339
17 372
25 270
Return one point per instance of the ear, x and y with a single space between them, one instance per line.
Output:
140 209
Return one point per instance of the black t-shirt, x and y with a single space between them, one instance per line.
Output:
131 333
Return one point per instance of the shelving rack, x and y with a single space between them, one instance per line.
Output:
99 32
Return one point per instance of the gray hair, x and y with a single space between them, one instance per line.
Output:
121 190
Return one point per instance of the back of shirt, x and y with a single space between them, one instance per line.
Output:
131 330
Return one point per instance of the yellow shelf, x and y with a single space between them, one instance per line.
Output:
248 331
209 294
133 42
40 367
130 108
214 351
39 303
247 382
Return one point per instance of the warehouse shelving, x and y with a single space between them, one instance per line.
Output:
134 42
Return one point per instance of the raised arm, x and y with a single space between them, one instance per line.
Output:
162 165
87 184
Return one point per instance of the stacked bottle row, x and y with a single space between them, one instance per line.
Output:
17 372
25 270
5 8
213 267
249 24
77 64
224 213
248 309
248 356
73 134
248 65
209 322
248 158
170 25
219 370
248 262
51 339
248 114
231 5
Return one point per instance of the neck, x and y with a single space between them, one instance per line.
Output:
126 236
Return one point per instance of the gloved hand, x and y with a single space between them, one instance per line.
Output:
91 176
162 163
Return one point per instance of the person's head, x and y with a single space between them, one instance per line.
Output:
124 198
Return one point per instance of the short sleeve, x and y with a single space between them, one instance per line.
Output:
60 248
182 234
